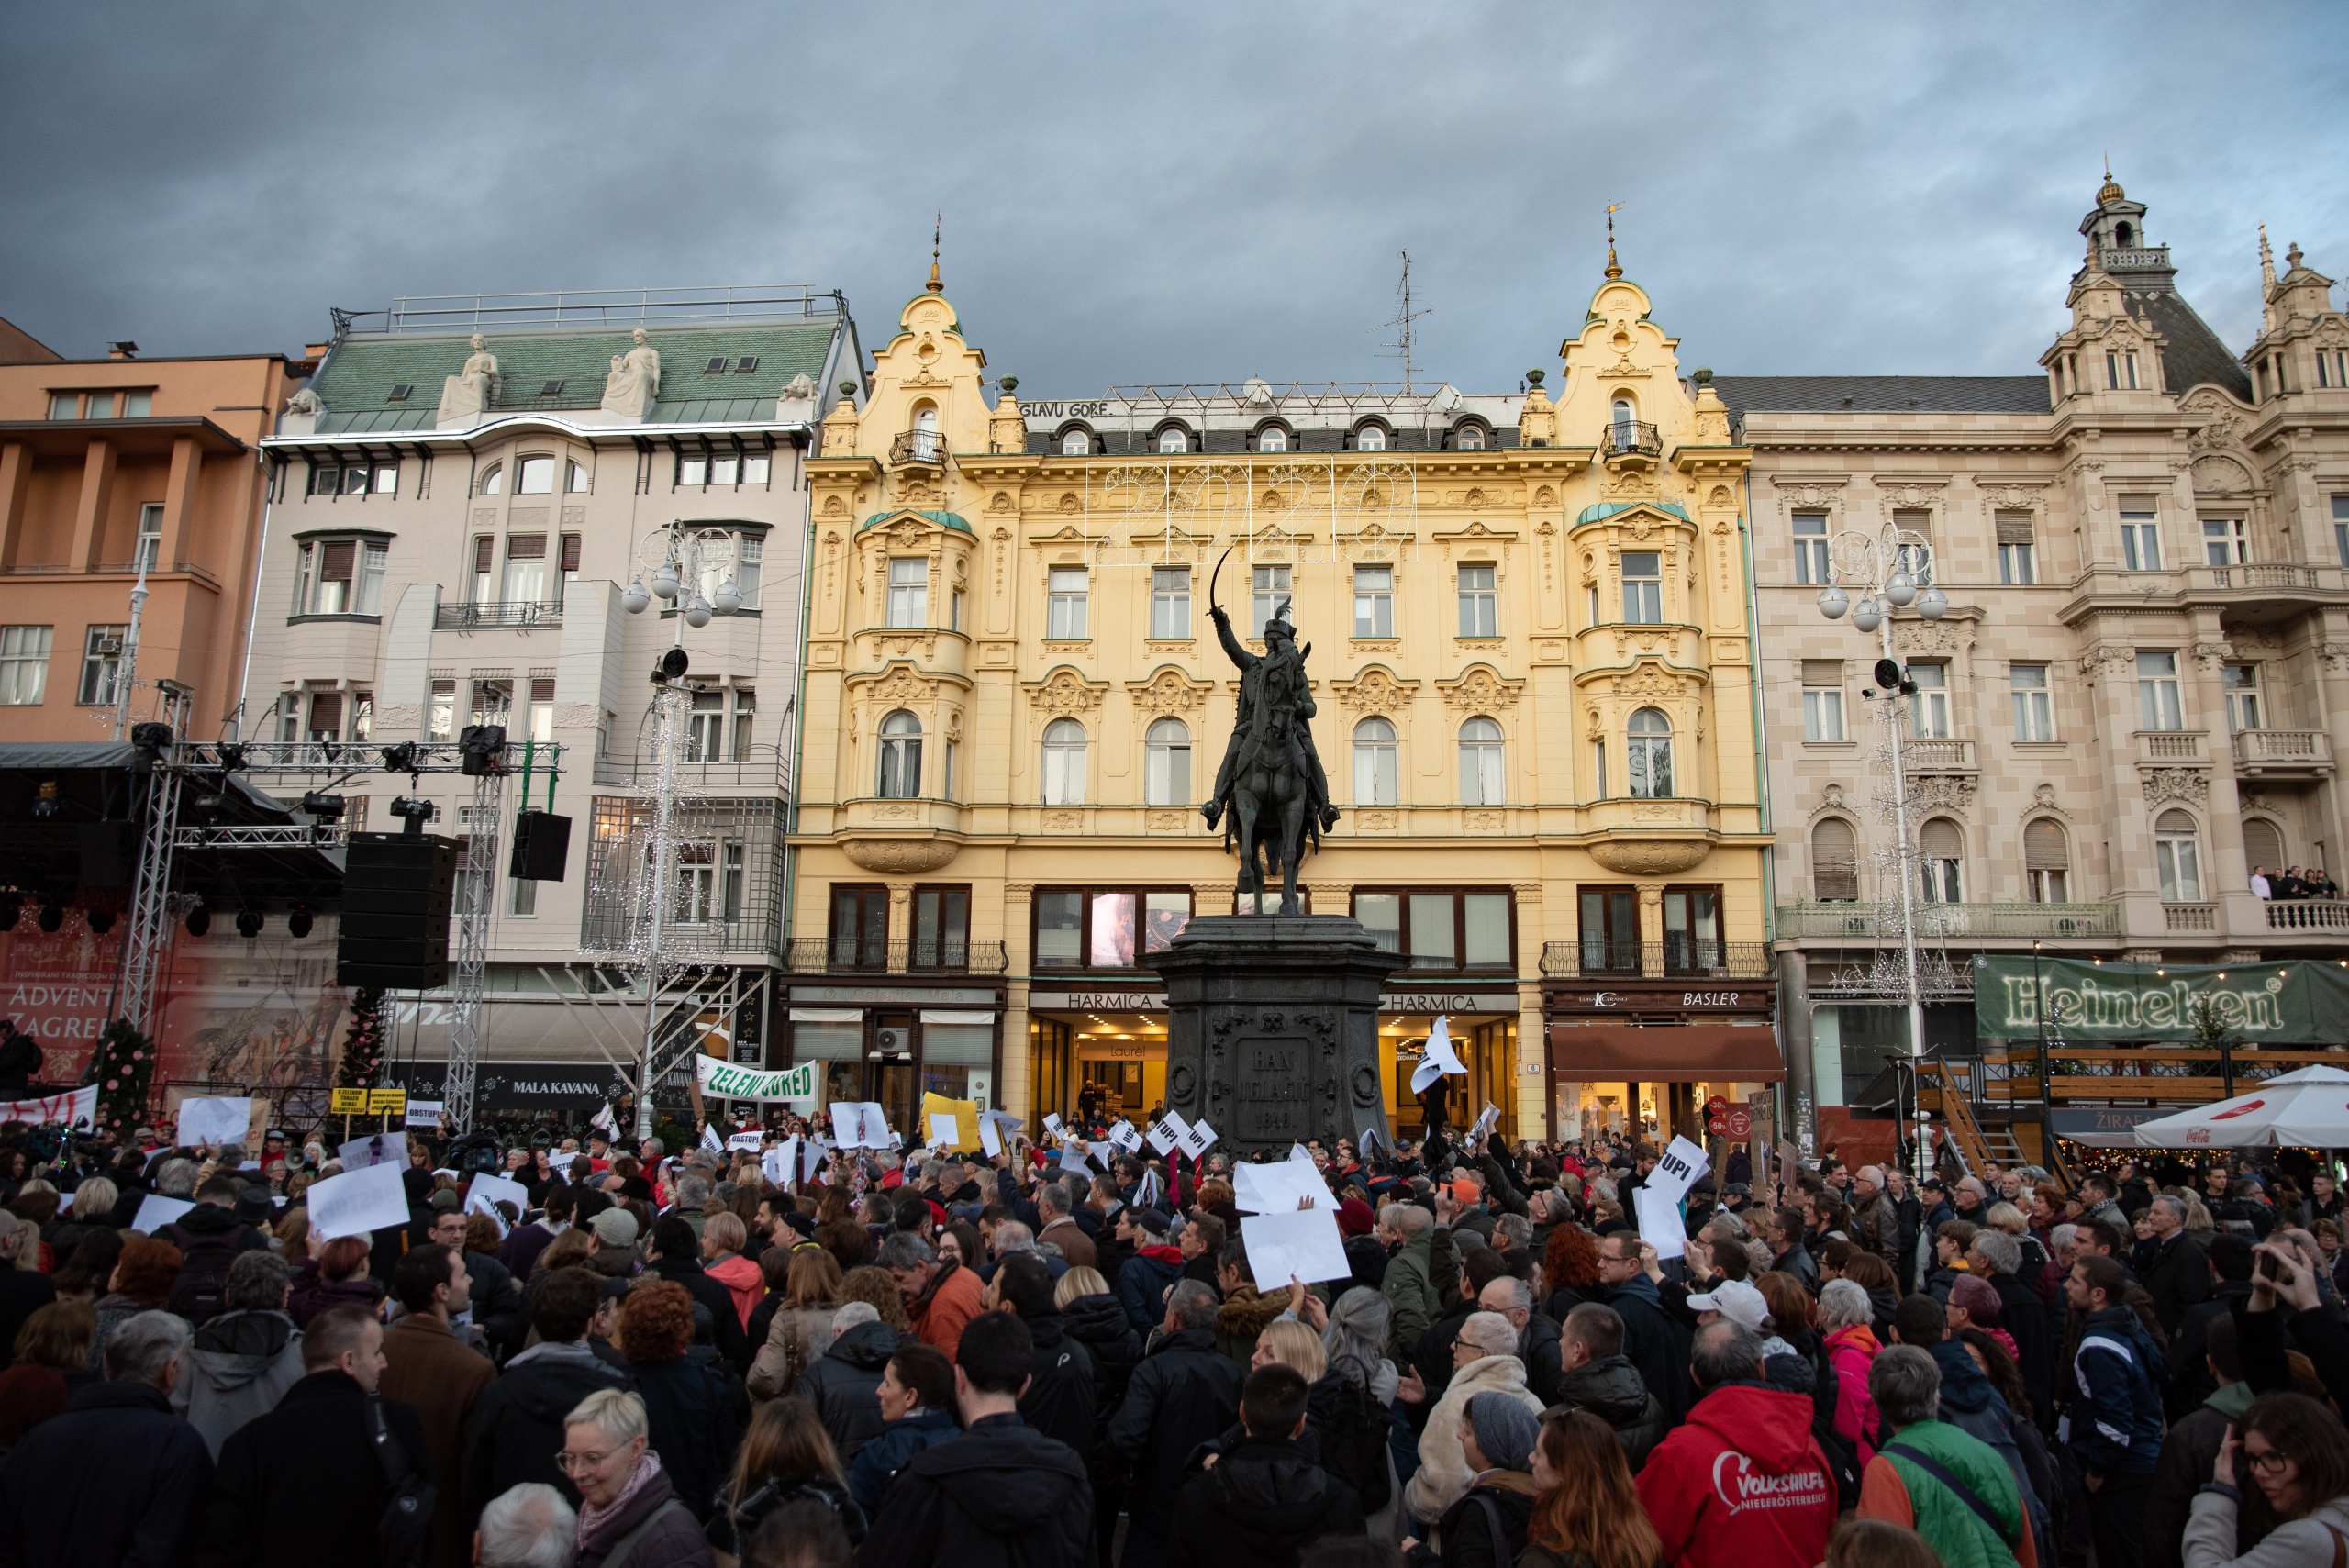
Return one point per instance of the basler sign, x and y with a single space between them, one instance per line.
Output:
2271 1004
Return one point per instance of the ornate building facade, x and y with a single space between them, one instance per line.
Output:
1531 654
2141 686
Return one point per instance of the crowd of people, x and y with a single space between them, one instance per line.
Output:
2293 882
663 1358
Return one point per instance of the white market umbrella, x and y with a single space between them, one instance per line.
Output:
2307 1109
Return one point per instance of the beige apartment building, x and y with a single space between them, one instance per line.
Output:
1531 654
2140 691
460 500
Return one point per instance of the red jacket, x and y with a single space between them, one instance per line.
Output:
1742 1483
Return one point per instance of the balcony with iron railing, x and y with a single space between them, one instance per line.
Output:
2276 754
853 955
1630 437
926 446
498 616
761 767
1675 958
1812 922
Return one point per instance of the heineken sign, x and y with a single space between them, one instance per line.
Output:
726 1082
2262 1003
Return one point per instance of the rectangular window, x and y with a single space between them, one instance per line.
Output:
1064 618
1484 931
860 927
1811 564
541 710
693 473
2243 710
746 718
288 713
1112 930
1170 602
909 590
64 405
1822 699
24 665
1381 914
1692 929
484 557
1060 930
2226 541
2179 861
2034 702
1432 943
723 470
2340 528
101 406
526 568
705 728
138 405
1480 611
1164 916
326 716
2140 542
362 720
2158 705
941 927
1444 930
733 877
521 897
1642 587
493 701
338 576
150 537
1374 601
955 615
1106 927
1268 598
750 565
101 664
2017 562
1928 709
1610 930
443 725
570 563
756 468
1916 558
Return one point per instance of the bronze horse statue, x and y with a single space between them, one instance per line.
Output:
1271 784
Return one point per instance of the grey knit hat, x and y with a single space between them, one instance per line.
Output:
1506 1430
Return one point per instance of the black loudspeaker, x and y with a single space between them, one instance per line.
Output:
541 847
110 854
396 893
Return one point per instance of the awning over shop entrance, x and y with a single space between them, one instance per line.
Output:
1665 1054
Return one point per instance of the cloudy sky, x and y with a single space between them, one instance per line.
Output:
1162 192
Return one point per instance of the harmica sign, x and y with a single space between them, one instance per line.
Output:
2271 1004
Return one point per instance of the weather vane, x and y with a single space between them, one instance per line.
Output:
937 227
1614 270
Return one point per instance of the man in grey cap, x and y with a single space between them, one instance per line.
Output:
614 1231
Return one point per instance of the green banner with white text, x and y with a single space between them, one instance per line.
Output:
725 1081
2082 1000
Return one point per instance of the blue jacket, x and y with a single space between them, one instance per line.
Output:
2115 1423
1142 1291
878 1462
1970 1404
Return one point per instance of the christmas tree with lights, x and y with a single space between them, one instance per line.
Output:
121 1067
363 1047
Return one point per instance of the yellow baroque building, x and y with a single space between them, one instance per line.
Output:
1531 649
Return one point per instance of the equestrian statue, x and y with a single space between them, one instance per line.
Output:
1270 793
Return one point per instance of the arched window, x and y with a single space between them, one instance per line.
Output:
1625 415
1471 438
1375 775
2047 862
2263 845
1651 754
900 756
1370 439
926 432
2125 236
492 480
1834 862
1271 439
1064 762
1173 438
1166 763
1480 763
1941 848
2177 855
1076 443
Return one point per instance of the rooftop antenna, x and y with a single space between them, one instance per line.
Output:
1404 317
1614 268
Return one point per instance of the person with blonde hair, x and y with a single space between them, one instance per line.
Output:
624 1492
803 1314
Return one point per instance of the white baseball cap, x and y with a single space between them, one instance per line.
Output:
1740 1303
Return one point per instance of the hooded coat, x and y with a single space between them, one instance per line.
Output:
742 1281
1060 1401
1242 1318
1099 1324
1612 1389
239 1368
1260 1507
1443 1476
1184 1393
844 1384
1002 1493
1142 1285
1851 1352
1742 1480
518 1428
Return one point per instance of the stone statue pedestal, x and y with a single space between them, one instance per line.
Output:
1271 1030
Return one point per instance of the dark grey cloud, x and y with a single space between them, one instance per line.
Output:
1204 193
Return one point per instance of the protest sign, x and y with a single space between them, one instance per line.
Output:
1198 1139
1660 1223
376 1149
78 1108
487 1191
723 1080
214 1120
1303 1244
1168 1134
963 1134
861 1124
426 1113
155 1211
357 1202
1125 1138
750 1140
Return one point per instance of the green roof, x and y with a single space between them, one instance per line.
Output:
943 519
360 373
1608 508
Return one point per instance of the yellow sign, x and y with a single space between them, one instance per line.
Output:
937 1112
348 1102
381 1102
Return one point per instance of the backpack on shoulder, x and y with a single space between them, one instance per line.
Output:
201 1292
1354 1445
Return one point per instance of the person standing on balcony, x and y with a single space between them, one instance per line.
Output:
2260 886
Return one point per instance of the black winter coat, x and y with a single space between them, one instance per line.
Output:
1002 1493
844 1384
1612 1389
725 1323
2022 1316
117 1478
1261 1505
1466 1531
1060 1401
22 1292
1540 1345
303 1483
497 1306
518 1427
1099 1324
2176 1276
689 1409
1184 1393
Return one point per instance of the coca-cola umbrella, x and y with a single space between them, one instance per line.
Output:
2306 1108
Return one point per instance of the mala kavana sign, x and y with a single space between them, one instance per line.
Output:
2269 1004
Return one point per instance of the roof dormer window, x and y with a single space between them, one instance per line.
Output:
1173 438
